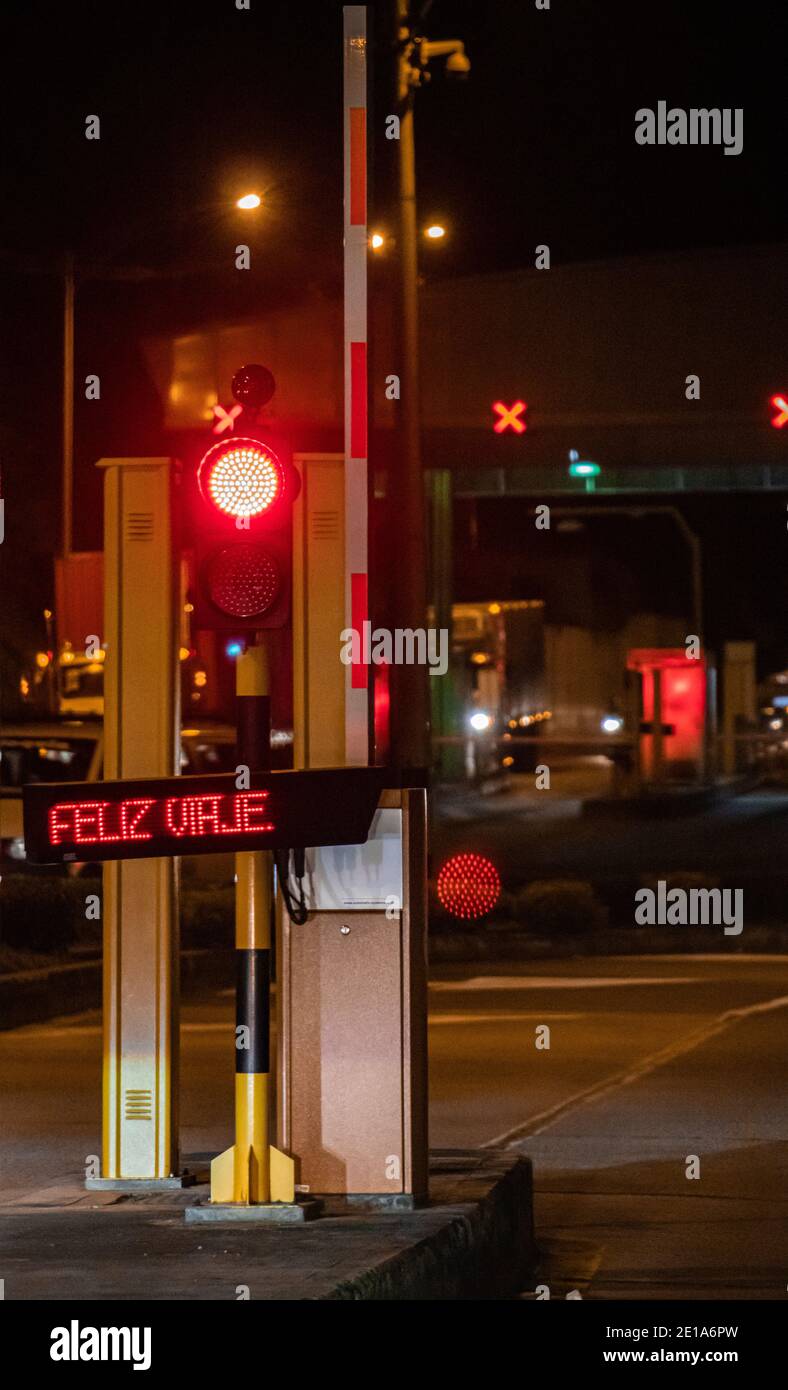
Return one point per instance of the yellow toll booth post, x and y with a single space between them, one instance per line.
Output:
253 1180
140 908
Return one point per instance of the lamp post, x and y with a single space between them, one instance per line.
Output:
411 681
68 404
413 55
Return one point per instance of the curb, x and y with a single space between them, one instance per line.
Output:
486 1248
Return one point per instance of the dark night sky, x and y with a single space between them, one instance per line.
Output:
198 100
537 145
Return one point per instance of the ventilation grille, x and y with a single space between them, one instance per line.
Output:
325 526
139 526
139 1105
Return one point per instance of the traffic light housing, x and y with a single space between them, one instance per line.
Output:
242 537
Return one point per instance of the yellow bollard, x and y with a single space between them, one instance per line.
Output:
253 1171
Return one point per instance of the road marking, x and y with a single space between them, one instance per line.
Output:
536 1124
518 982
728 957
500 1018
94 1030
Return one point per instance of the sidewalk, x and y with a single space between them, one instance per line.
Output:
474 1240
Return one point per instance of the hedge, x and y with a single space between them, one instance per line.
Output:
47 913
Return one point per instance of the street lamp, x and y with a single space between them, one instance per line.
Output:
249 201
435 231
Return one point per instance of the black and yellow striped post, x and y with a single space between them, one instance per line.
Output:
253 1171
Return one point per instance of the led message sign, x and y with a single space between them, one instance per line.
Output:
93 821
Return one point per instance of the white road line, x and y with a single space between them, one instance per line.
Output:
543 1017
518 982
94 1030
536 1124
728 957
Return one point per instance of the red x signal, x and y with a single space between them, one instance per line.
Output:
509 417
225 419
780 404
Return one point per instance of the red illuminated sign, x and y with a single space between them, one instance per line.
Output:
81 822
509 417
144 818
780 404
225 419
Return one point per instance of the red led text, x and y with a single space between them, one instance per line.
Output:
145 818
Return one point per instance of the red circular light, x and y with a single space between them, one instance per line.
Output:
468 886
242 580
241 477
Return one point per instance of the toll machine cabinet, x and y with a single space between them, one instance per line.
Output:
352 1012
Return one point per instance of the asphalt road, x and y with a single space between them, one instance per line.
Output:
651 1060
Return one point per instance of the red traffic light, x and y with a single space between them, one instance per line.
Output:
241 478
242 537
468 886
242 580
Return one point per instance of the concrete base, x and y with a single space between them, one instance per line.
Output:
263 1213
474 1241
343 1203
143 1186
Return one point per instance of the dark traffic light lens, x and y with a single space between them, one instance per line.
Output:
253 386
243 581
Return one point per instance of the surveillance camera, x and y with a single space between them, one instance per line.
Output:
458 65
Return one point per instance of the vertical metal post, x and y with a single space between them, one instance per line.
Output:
68 406
253 1171
253 893
711 749
441 687
633 693
141 722
412 713
657 739
354 52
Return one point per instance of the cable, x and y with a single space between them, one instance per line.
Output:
297 909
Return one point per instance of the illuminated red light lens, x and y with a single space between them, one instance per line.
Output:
780 404
242 581
242 478
468 886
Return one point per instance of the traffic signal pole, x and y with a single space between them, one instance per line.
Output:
253 1172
